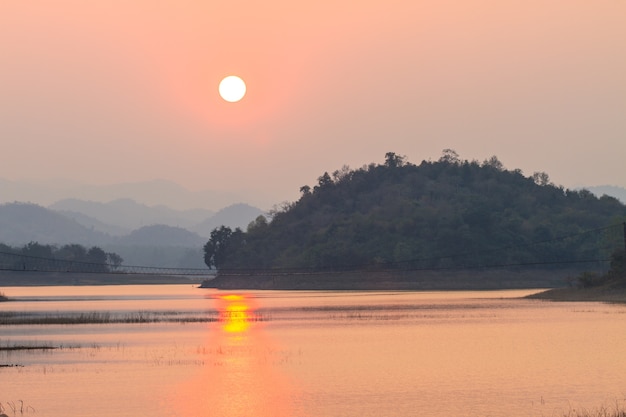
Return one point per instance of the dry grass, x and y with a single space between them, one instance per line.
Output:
616 411
104 317
15 408
26 347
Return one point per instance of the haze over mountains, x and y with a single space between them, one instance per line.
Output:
142 234
611 190
164 193
88 222
152 193
119 217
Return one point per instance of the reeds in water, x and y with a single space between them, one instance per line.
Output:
617 411
100 317
14 409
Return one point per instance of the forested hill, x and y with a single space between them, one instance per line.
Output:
451 213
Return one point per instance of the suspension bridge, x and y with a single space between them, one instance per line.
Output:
590 248
16 262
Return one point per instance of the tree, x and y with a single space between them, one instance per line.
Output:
38 250
342 174
215 248
618 265
258 225
37 256
541 178
72 252
114 259
392 160
450 156
69 258
324 180
493 162
98 258
72 255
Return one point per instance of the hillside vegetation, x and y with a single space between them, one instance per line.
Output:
67 258
445 214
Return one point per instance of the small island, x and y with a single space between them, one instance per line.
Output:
441 225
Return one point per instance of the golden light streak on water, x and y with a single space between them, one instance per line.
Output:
240 377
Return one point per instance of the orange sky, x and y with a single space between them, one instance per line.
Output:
116 91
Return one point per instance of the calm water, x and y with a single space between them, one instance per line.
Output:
212 353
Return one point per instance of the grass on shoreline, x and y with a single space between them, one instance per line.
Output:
94 317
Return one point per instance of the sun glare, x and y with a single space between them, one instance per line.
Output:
232 88
236 318
235 313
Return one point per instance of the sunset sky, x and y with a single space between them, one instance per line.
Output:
102 92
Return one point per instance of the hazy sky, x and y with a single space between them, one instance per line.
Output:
121 91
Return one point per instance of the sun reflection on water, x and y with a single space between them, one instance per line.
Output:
236 314
241 376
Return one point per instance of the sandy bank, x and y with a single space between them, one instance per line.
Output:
603 294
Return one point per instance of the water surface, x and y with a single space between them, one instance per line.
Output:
205 352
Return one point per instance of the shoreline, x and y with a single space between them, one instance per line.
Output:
393 280
599 294
34 279
605 293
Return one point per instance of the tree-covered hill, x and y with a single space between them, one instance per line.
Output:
450 213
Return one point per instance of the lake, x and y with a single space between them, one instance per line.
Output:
178 350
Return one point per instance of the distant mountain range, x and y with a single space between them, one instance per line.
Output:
119 217
158 193
141 234
153 193
21 223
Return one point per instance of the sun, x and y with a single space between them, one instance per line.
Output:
232 88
